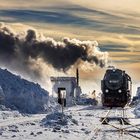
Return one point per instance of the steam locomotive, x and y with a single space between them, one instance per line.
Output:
116 88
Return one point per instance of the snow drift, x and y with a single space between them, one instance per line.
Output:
20 94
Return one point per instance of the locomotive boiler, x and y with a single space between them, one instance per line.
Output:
116 88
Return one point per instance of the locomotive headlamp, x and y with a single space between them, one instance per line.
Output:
106 90
120 91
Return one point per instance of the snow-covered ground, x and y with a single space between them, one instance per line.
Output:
79 123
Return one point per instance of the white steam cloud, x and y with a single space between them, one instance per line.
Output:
34 54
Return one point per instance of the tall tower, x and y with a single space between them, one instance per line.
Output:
77 77
78 89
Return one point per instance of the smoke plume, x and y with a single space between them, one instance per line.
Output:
22 52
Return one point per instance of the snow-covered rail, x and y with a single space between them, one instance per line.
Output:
123 121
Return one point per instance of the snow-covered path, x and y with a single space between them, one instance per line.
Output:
87 127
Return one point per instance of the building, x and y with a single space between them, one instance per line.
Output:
67 88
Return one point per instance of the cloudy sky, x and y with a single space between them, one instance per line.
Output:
115 25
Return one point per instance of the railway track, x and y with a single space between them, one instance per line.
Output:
123 120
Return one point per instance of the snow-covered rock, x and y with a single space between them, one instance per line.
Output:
58 119
20 94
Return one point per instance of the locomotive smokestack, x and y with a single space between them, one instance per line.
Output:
77 76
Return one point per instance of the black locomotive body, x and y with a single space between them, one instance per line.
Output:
116 88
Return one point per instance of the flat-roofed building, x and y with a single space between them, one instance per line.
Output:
65 87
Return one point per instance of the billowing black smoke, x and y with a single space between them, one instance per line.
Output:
17 51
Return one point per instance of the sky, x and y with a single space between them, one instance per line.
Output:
114 25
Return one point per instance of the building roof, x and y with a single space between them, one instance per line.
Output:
53 79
